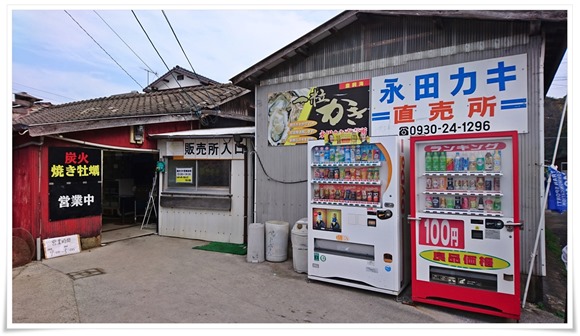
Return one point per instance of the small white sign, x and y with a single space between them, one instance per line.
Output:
60 246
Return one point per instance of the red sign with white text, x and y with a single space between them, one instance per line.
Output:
442 233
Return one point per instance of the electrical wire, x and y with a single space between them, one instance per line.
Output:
264 169
187 58
182 92
43 91
142 61
141 86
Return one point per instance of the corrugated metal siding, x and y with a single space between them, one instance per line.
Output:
384 46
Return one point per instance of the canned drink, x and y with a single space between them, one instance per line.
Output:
364 195
369 196
488 204
428 183
471 184
442 182
375 196
450 185
496 186
365 173
428 202
472 202
457 202
347 194
497 204
480 183
435 201
464 203
488 184
450 202
442 202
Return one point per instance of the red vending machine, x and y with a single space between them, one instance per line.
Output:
465 222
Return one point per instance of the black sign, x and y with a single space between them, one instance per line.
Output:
74 182
74 200
72 164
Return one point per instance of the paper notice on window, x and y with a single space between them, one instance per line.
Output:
183 175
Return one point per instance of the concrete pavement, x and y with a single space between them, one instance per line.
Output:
154 279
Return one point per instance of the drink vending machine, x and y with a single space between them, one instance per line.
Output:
465 222
358 212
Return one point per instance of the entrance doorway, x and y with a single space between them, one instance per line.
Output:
127 181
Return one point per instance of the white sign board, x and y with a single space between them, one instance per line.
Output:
482 96
212 149
60 246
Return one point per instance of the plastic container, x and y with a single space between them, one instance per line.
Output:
277 240
299 238
256 237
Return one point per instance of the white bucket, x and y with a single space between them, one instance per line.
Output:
299 239
277 240
255 252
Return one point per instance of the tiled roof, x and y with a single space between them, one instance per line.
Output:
154 104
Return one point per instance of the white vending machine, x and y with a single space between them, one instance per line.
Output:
358 207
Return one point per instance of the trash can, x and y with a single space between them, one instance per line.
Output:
277 240
299 239
256 236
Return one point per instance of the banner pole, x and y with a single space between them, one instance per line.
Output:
542 223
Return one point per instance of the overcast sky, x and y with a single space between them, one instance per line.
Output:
69 55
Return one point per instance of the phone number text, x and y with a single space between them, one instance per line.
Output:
464 127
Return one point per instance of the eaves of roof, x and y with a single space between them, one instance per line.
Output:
134 108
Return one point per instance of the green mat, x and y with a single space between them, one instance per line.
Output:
223 247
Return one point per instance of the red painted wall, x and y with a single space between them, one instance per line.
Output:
30 178
120 136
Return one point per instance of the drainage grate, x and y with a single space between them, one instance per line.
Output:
86 273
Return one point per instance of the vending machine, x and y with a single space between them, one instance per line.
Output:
358 212
465 225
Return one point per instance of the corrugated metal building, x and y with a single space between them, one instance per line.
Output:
358 45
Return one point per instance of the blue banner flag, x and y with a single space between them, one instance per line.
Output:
558 193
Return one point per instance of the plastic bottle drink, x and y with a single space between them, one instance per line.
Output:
428 161
443 161
316 155
435 159
472 162
497 161
457 162
488 161
480 161
450 163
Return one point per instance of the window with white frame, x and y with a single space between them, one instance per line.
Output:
198 175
